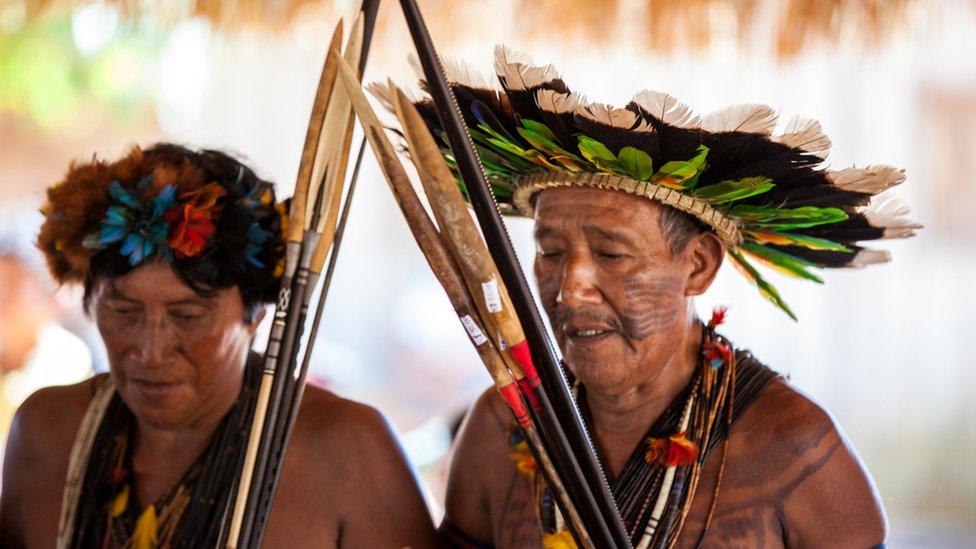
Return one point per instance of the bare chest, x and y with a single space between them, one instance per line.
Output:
743 514
305 514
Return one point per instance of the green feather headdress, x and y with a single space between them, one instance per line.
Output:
767 196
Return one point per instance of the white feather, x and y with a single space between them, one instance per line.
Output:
558 102
667 109
866 257
806 134
872 179
890 213
457 72
381 91
613 116
517 72
747 118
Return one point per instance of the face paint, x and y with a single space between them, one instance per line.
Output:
651 305
610 286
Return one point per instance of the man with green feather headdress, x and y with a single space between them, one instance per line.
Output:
635 209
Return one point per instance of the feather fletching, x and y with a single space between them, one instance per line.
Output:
746 118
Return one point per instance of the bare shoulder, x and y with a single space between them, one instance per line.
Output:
326 418
350 461
483 437
789 420
36 461
45 424
809 470
479 461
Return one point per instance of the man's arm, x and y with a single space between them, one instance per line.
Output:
478 453
830 500
378 497
35 464
18 454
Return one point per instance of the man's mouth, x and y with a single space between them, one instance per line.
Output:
587 334
155 388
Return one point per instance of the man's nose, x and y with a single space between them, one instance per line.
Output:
579 284
157 342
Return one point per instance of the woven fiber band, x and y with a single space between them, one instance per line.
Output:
526 186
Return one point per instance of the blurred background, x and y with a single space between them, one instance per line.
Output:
888 350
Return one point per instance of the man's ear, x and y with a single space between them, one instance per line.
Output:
705 253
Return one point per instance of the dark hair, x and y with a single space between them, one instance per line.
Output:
225 263
679 227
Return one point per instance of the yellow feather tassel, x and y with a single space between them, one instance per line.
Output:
560 540
145 534
121 501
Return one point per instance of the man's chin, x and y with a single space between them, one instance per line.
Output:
161 411
596 372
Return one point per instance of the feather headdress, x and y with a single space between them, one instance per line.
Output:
766 195
202 211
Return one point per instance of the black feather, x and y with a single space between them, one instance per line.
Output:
674 143
618 138
822 258
856 228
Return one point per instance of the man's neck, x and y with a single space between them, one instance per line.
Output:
621 419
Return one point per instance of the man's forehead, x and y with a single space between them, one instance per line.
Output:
604 211
152 282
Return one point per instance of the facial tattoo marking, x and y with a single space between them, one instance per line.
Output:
651 306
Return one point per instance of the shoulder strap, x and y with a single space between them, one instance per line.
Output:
78 462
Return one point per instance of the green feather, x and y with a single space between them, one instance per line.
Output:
539 128
682 174
566 159
636 163
809 242
765 288
698 161
784 219
730 191
786 263
598 154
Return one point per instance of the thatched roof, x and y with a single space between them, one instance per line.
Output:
785 26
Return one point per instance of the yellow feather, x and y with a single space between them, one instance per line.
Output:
121 501
145 534
560 540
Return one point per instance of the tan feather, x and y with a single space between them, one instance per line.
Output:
747 118
517 72
872 179
806 134
866 257
558 102
667 109
890 213
613 116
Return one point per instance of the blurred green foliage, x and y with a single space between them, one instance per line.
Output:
45 76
